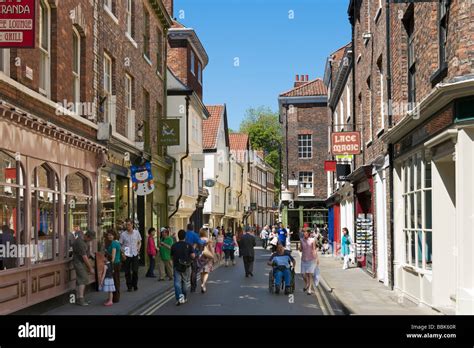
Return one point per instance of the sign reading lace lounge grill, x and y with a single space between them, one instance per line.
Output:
17 23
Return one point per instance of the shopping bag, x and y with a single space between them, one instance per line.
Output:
316 276
236 251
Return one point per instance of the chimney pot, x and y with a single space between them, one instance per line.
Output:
307 77
297 77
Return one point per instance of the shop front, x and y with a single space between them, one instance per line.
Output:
433 200
48 186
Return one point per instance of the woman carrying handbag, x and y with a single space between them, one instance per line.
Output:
206 258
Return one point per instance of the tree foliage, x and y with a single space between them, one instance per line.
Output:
263 127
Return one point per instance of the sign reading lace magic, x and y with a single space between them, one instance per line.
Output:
17 23
345 143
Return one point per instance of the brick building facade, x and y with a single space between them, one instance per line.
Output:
304 120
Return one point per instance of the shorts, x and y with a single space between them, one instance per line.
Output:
82 276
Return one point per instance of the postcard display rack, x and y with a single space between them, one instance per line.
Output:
364 238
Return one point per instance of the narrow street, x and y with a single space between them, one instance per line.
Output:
229 292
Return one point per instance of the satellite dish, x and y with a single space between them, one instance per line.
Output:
209 183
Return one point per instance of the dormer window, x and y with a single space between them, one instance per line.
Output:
200 72
192 63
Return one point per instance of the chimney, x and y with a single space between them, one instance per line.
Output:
300 80
169 6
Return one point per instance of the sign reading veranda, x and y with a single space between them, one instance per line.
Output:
345 143
17 23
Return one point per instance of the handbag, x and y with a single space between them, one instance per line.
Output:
208 253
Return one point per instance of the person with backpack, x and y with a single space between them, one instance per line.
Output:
229 248
183 256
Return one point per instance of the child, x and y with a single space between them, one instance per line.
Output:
107 281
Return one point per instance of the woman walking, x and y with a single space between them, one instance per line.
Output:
346 243
113 249
229 248
219 245
206 258
309 260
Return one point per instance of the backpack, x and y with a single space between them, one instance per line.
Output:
183 265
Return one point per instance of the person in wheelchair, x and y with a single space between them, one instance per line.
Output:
282 261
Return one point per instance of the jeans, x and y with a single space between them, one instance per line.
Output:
116 296
151 269
264 243
180 284
248 264
194 273
229 254
131 272
286 274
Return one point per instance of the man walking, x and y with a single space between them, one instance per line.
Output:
192 238
183 255
131 242
282 234
82 265
247 245
166 243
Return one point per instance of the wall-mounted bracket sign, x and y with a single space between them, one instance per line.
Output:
17 24
345 143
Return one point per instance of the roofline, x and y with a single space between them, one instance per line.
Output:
303 100
301 86
190 35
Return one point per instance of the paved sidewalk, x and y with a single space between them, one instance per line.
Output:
148 289
363 295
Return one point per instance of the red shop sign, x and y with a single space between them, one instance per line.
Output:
345 143
17 23
330 166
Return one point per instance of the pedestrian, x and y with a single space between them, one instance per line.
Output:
264 236
82 264
107 281
131 242
205 259
219 245
183 256
192 238
240 233
273 240
282 234
166 266
113 249
151 251
229 248
346 243
247 245
309 260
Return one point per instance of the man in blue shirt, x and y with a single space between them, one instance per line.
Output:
192 238
282 234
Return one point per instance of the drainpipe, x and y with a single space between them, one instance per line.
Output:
182 160
390 146
286 145
241 189
225 191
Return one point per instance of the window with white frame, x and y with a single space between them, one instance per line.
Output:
417 201
217 200
159 51
192 62
305 146
341 102
129 112
200 72
45 49
348 102
5 61
306 183
108 88
110 6
129 18
146 33
76 68
382 106
188 181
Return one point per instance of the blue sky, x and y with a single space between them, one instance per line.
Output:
271 47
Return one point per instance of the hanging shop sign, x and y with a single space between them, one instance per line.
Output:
142 179
169 132
209 183
345 143
330 166
253 206
292 182
17 24
342 171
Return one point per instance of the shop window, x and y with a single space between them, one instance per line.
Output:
418 211
77 208
12 211
114 195
44 213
